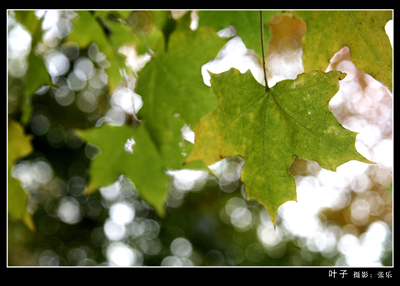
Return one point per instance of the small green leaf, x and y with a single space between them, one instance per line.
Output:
35 77
36 74
19 146
269 128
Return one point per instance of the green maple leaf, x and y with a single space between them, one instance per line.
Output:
362 31
173 94
269 128
171 83
129 151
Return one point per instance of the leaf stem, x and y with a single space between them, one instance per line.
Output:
262 48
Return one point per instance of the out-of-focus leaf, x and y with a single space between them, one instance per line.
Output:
35 77
130 152
19 146
269 128
164 21
171 83
27 18
88 30
36 74
362 31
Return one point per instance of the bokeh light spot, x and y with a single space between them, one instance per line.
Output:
69 210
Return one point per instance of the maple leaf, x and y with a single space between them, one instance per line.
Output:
362 31
129 151
171 83
269 128
173 94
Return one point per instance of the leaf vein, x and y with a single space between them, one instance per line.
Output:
243 111
316 134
